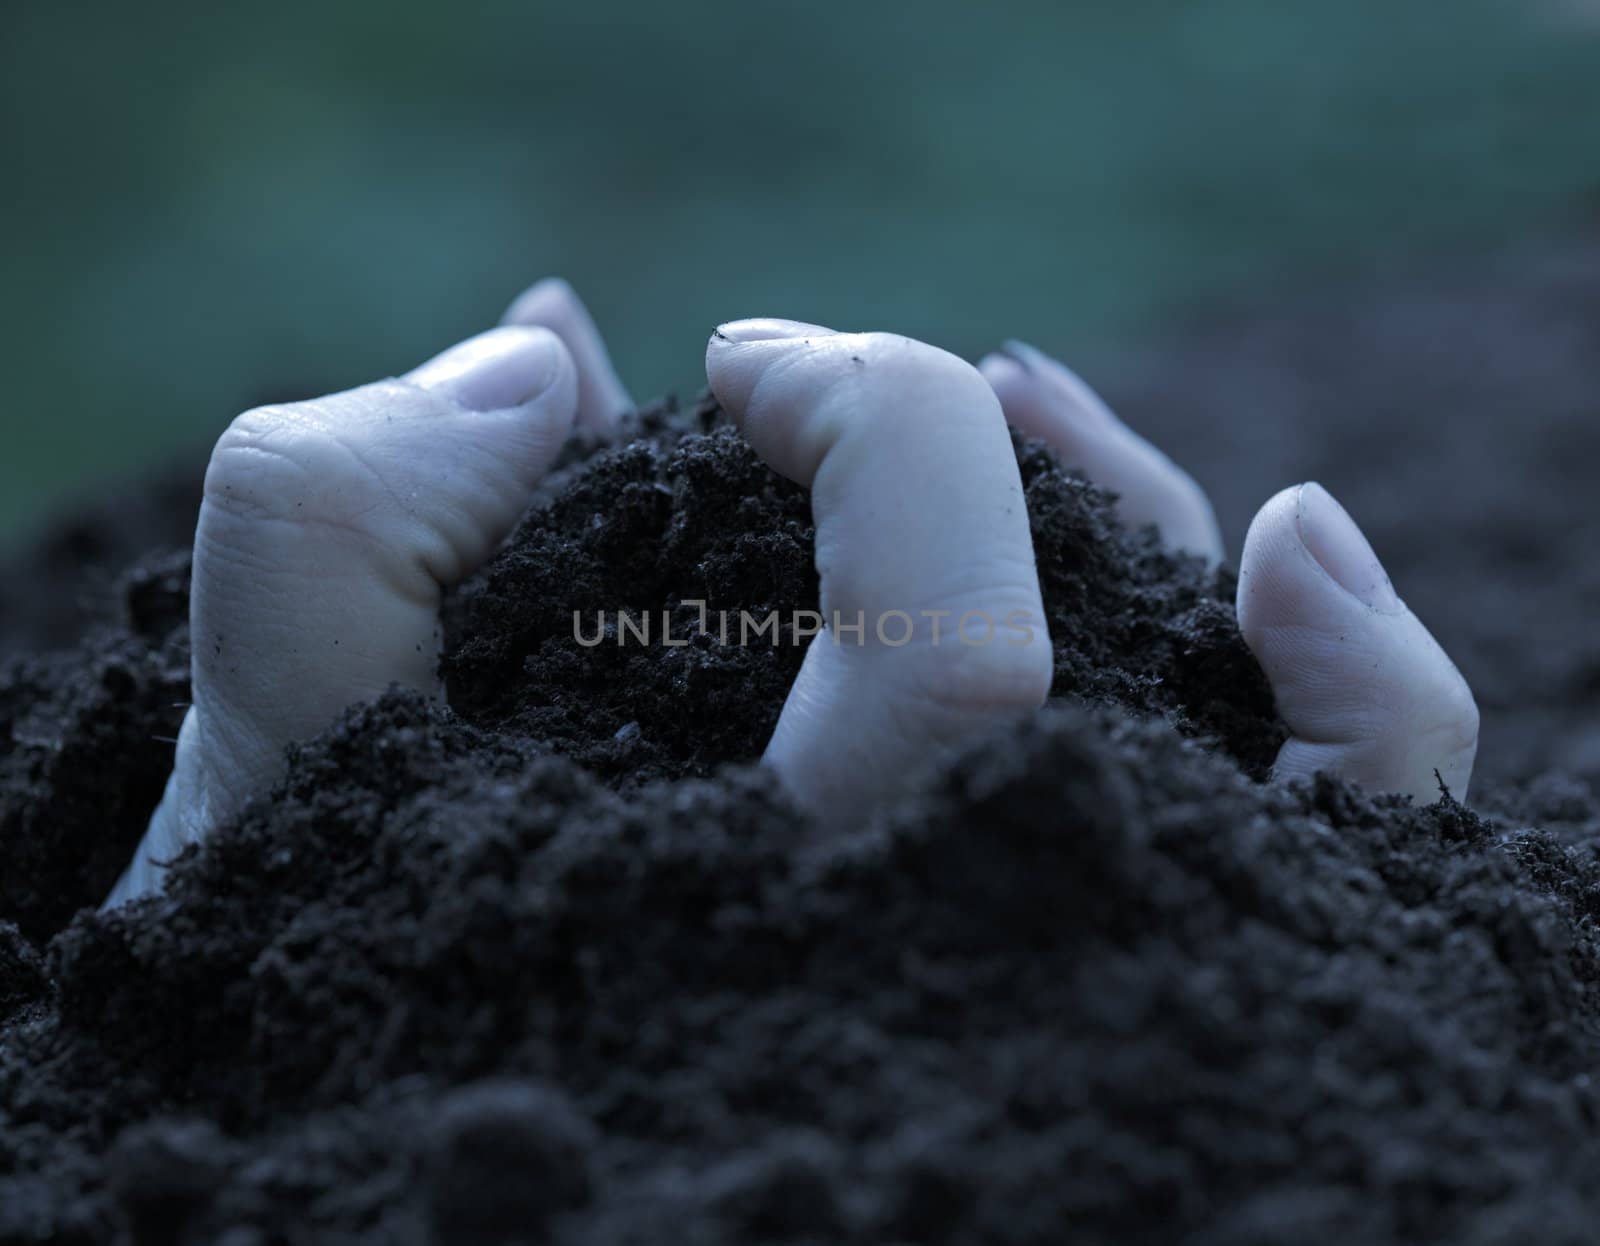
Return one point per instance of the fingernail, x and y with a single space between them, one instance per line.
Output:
1075 408
766 330
1331 536
1028 358
999 363
535 304
1036 363
502 368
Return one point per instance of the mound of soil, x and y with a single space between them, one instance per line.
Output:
559 962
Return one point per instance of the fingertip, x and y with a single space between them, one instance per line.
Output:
503 368
1028 407
1274 570
1304 555
1049 375
549 420
764 329
561 400
1341 549
1272 524
1365 690
1044 398
524 374
732 379
1004 374
739 352
550 298
552 303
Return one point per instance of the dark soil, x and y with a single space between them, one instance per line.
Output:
560 963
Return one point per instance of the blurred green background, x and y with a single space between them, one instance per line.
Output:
208 206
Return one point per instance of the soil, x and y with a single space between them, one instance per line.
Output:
559 962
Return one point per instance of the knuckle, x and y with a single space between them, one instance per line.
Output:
908 357
249 464
1461 723
285 461
991 682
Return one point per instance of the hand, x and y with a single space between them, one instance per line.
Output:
1365 690
330 529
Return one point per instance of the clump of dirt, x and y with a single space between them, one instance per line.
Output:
686 522
69 576
86 739
558 962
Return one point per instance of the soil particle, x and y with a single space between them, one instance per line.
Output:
692 525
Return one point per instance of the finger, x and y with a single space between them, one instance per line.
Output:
327 532
1045 400
552 303
515 394
431 469
920 528
1365 690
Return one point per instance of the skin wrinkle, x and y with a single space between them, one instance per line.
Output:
961 687
394 566
224 463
